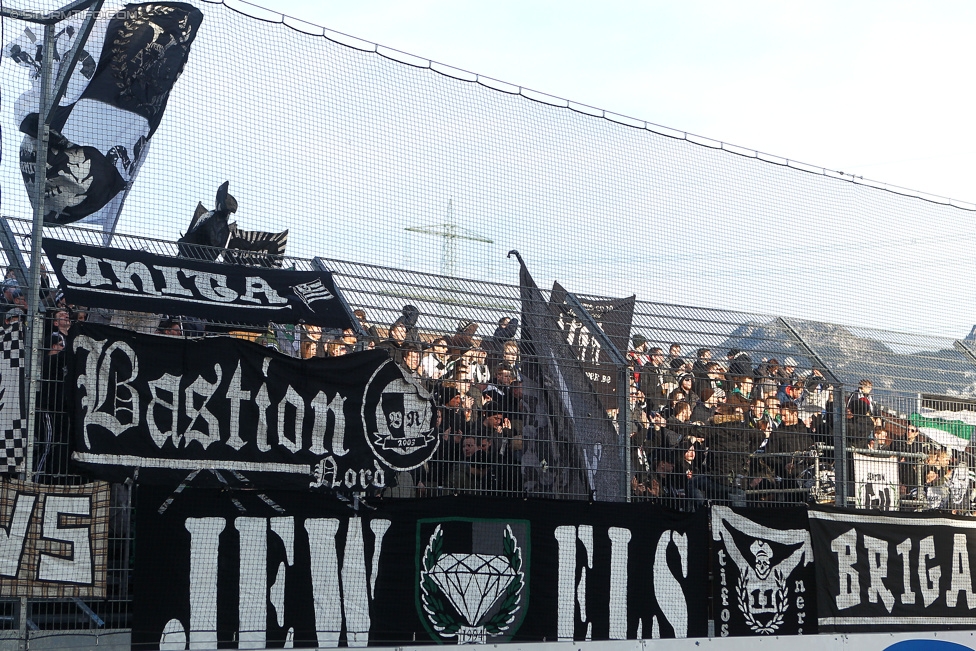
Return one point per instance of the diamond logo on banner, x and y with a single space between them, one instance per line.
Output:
473 582
473 596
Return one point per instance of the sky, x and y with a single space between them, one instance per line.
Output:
873 89
881 90
876 89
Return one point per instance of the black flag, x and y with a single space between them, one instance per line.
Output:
576 415
256 247
614 317
101 129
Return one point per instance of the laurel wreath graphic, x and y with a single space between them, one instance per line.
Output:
500 621
782 605
434 601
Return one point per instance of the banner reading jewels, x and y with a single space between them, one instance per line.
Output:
765 582
298 570
54 540
898 571
240 412
96 276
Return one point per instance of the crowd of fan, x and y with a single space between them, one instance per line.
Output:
746 433
480 418
701 430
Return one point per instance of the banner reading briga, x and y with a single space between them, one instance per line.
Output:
295 569
240 412
898 571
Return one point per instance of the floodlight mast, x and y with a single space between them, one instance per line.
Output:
451 232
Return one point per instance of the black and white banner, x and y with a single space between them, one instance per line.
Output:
54 540
898 571
876 482
256 247
13 406
96 276
614 317
581 437
765 582
299 570
234 409
114 101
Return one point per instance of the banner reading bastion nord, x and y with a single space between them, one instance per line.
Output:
167 407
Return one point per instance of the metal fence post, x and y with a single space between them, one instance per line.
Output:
34 318
51 92
623 402
840 447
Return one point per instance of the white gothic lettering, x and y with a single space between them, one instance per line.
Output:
155 280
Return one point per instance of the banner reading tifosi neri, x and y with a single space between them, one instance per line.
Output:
898 571
296 569
97 276
764 581
168 407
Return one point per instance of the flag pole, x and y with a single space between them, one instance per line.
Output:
51 93
49 98
34 320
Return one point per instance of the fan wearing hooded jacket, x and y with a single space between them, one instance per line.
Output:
730 448
495 344
403 333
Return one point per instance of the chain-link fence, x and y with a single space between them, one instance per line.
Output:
463 339
539 392
721 407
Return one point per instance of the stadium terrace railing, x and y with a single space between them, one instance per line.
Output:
722 406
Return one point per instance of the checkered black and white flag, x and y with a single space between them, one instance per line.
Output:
13 419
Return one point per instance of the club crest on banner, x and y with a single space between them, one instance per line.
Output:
472 582
398 419
761 593
759 582
311 292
